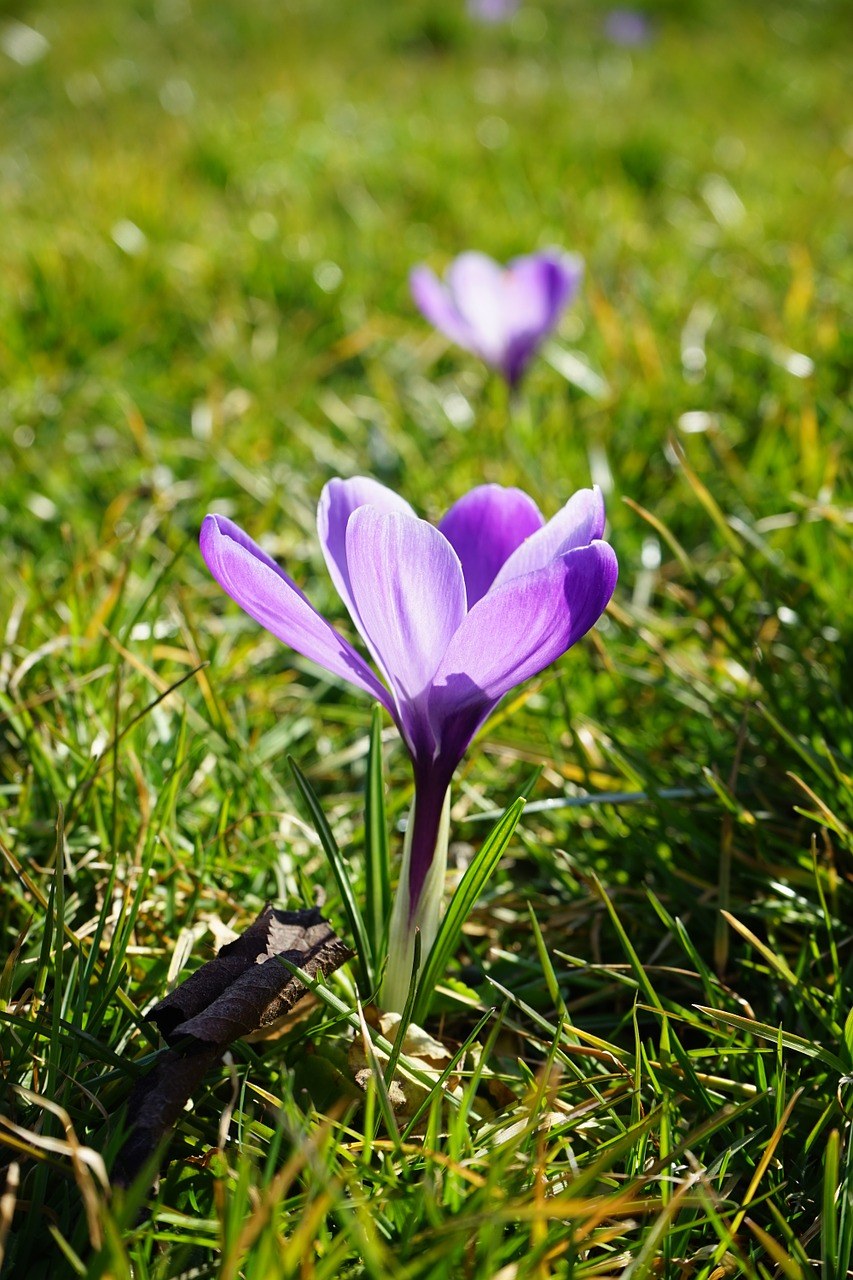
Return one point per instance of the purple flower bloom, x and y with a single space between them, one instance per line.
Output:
628 27
492 10
502 314
453 616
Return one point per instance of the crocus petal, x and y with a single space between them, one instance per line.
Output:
484 528
627 27
513 633
409 591
538 287
477 285
272 598
433 299
492 10
337 502
579 522
541 285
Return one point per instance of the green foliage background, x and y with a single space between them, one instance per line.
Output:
209 213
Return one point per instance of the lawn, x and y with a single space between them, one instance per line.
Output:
642 1045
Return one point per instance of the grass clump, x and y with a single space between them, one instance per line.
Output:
210 213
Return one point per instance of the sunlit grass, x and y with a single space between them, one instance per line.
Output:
209 217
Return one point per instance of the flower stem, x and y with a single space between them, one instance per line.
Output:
417 904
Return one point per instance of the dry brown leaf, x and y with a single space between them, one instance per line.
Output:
244 988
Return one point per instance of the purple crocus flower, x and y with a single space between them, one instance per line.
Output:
627 27
501 314
454 618
492 10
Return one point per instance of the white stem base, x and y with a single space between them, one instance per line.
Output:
425 917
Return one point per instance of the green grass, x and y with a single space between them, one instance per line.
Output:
637 1082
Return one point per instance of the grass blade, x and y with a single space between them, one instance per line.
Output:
764 1031
780 965
355 920
377 883
378 1081
829 1219
844 1210
639 972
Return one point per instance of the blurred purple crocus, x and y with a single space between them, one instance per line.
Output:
501 314
492 10
454 617
628 27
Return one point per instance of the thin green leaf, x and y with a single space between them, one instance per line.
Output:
829 1217
547 967
779 964
378 1081
639 972
845 1214
354 917
376 869
774 1034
